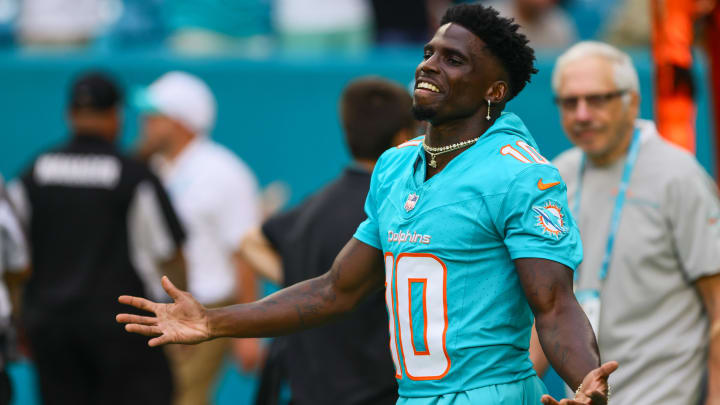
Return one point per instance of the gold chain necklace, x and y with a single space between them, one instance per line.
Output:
434 151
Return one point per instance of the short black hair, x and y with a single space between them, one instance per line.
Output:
502 38
373 111
95 91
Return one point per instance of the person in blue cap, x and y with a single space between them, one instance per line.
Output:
468 231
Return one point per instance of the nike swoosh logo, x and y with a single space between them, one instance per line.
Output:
545 186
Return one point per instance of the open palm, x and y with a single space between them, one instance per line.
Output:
183 321
594 388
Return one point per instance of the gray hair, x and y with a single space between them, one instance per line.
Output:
625 75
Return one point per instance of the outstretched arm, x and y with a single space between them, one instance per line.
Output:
563 329
709 288
357 271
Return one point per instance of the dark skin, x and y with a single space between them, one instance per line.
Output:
103 123
456 113
456 62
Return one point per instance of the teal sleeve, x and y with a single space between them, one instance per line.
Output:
535 220
368 231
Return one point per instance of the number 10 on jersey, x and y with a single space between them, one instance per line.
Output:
416 297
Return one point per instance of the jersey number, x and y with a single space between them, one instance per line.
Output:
534 154
418 314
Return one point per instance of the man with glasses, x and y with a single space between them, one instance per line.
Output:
649 218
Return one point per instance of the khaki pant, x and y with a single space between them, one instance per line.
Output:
195 368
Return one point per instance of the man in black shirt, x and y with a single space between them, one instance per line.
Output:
346 362
98 223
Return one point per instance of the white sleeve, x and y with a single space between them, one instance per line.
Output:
152 234
238 209
17 195
13 247
149 225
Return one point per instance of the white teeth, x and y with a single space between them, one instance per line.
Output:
428 86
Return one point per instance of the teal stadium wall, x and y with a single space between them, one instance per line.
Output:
278 112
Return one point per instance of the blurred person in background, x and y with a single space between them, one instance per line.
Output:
544 22
347 361
54 23
89 211
218 25
628 24
408 21
323 24
14 269
216 196
674 26
402 22
649 217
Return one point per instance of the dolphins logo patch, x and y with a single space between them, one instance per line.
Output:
550 219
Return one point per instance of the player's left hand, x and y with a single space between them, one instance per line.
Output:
594 388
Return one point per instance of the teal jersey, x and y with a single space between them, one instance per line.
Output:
459 319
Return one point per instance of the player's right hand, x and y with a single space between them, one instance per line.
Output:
595 388
184 321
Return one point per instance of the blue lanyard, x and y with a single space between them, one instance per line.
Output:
619 201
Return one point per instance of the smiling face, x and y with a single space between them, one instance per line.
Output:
456 77
598 120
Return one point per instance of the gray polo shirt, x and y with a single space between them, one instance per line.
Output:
652 319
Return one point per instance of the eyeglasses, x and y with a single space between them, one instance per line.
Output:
595 101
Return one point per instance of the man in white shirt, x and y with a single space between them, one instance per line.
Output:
215 195
544 22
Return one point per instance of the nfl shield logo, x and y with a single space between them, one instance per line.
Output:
411 201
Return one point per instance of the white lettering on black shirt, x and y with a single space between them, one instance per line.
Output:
96 171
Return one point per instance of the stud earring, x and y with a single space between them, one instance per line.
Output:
487 117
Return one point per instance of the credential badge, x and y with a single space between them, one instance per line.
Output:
411 201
